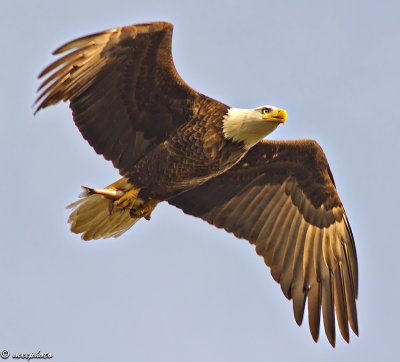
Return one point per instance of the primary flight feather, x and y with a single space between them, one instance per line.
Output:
171 143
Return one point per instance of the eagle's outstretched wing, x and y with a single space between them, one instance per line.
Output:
125 93
281 197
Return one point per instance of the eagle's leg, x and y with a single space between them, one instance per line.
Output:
127 200
146 209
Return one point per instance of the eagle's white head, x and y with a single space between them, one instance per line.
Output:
250 126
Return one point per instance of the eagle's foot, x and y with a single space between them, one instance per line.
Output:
146 209
128 199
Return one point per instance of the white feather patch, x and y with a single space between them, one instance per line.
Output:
247 126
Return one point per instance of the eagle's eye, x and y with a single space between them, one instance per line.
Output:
265 110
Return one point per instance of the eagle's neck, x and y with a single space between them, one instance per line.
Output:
246 125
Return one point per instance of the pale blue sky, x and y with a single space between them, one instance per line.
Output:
175 288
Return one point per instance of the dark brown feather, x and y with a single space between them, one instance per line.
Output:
314 309
340 304
298 289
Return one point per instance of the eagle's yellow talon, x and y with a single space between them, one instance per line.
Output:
146 209
127 200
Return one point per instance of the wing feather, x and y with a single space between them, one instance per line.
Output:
340 303
314 309
271 196
324 274
275 237
263 227
284 241
289 257
298 289
242 205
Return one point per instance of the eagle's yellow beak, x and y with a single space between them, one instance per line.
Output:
278 115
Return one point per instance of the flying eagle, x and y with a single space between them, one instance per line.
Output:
171 143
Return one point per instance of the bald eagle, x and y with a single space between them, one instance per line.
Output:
171 143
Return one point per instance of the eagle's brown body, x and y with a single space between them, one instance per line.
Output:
172 143
190 156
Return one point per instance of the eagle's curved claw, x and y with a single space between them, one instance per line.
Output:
128 199
146 209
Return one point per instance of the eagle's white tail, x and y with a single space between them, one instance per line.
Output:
94 216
